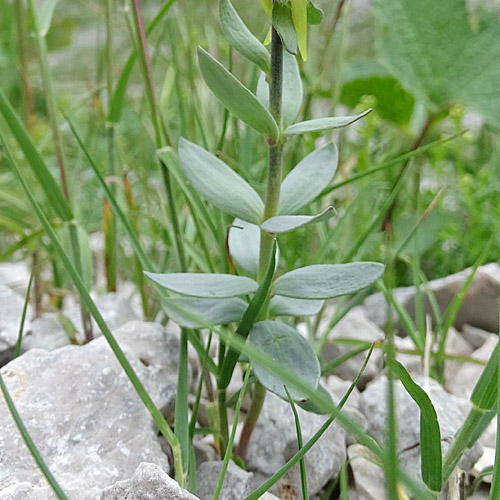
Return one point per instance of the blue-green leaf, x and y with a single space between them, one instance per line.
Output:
326 281
286 223
235 96
308 179
321 124
288 306
283 23
289 349
210 286
218 183
211 311
241 38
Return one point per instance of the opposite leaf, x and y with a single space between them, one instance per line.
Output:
289 349
326 281
210 286
308 179
283 24
241 38
211 311
286 306
244 245
218 183
286 223
321 124
292 89
235 96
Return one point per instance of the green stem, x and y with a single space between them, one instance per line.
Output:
460 442
258 397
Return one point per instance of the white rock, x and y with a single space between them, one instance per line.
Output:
274 442
16 276
149 482
468 374
476 337
369 478
455 345
479 308
81 410
11 308
237 482
355 326
487 460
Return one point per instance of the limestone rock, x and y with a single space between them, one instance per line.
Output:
479 307
274 442
149 482
369 478
355 326
474 336
85 417
16 276
237 482
10 318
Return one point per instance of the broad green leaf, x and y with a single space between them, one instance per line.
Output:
314 14
325 281
52 190
235 96
433 49
241 38
289 349
45 17
308 179
321 124
283 23
292 89
287 306
212 311
393 102
430 433
286 223
244 245
218 183
210 286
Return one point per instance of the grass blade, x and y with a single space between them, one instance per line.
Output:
23 317
303 475
430 433
30 444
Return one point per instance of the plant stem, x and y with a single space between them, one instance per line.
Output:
110 226
272 198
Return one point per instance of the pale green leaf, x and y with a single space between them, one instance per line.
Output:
218 183
292 89
314 14
235 96
210 286
326 281
290 350
212 311
288 306
308 179
283 23
241 38
286 223
321 124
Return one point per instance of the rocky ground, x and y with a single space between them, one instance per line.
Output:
100 442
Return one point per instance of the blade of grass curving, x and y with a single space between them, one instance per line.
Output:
302 464
229 449
391 163
23 317
430 433
80 285
30 444
255 495
495 482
